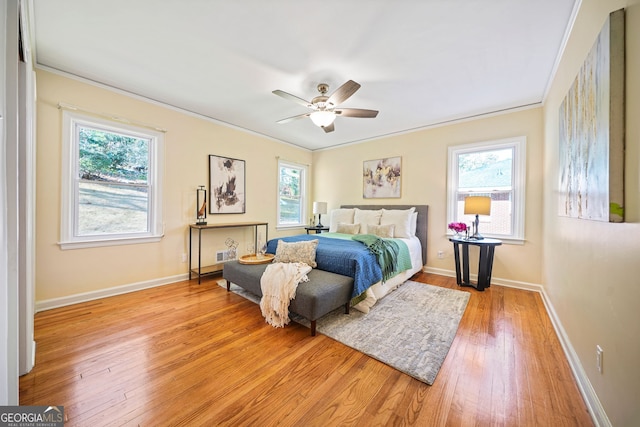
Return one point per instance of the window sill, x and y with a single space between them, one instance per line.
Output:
503 239
291 227
507 240
82 244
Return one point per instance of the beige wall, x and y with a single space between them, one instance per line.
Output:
338 179
189 140
592 269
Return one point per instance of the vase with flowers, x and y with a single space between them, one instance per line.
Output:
458 228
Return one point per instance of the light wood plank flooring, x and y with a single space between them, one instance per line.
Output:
189 354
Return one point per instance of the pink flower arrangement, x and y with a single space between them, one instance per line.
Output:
458 227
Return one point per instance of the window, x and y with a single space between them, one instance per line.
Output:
112 182
292 194
495 169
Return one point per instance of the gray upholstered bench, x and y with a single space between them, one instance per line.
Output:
323 293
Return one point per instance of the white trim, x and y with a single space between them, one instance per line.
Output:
563 46
518 177
108 292
595 408
598 414
304 193
108 242
69 215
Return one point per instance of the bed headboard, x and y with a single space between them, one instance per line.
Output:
421 227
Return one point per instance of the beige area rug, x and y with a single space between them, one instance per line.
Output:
411 329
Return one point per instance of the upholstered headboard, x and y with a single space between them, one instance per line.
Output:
421 227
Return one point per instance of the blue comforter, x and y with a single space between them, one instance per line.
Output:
340 256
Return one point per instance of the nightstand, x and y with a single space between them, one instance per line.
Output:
485 263
316 230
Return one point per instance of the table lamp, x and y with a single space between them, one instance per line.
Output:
477 205
319 208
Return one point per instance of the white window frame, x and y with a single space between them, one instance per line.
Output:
303 194
519 146
70 173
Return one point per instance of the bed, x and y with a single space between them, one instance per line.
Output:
337 252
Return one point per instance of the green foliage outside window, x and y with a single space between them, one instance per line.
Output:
290 195
112 157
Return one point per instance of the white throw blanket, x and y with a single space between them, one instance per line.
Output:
279 283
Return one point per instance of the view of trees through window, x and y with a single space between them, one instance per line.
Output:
290 195
113 193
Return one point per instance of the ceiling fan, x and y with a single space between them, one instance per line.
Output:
324 107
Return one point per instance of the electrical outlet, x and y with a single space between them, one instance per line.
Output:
440 254
599 354
183 258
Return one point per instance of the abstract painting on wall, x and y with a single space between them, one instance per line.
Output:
381 178
591 157
226 185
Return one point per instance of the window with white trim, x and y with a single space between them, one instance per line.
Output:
292 194
495 169
111 182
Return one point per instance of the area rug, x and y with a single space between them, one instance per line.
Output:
411 329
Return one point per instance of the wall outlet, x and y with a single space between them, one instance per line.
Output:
440 254
183 257
599 354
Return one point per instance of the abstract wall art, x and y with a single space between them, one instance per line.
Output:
226 185
591 140
382 178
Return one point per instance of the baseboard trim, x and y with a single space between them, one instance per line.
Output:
109 292
494 280
598 414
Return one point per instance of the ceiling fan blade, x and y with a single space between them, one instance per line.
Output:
356 112
293 98
290 119
343 92
329 128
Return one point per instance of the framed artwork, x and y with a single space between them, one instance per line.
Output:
382 178
591 140
226 185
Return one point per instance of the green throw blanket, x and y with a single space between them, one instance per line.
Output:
385 250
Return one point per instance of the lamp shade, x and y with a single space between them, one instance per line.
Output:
322 118
320 208
477 205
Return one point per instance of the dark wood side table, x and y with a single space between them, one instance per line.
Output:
485 264
316 230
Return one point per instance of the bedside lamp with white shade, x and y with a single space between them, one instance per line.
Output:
477 205
319 208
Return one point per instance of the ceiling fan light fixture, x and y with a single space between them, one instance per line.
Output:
322 118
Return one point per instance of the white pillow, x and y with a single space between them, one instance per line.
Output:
366 218
414 223
338 216
401 218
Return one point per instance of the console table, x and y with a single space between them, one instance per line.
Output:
211 269
485 264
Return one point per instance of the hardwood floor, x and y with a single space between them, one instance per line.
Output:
189 354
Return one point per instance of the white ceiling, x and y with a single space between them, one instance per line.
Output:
420 62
